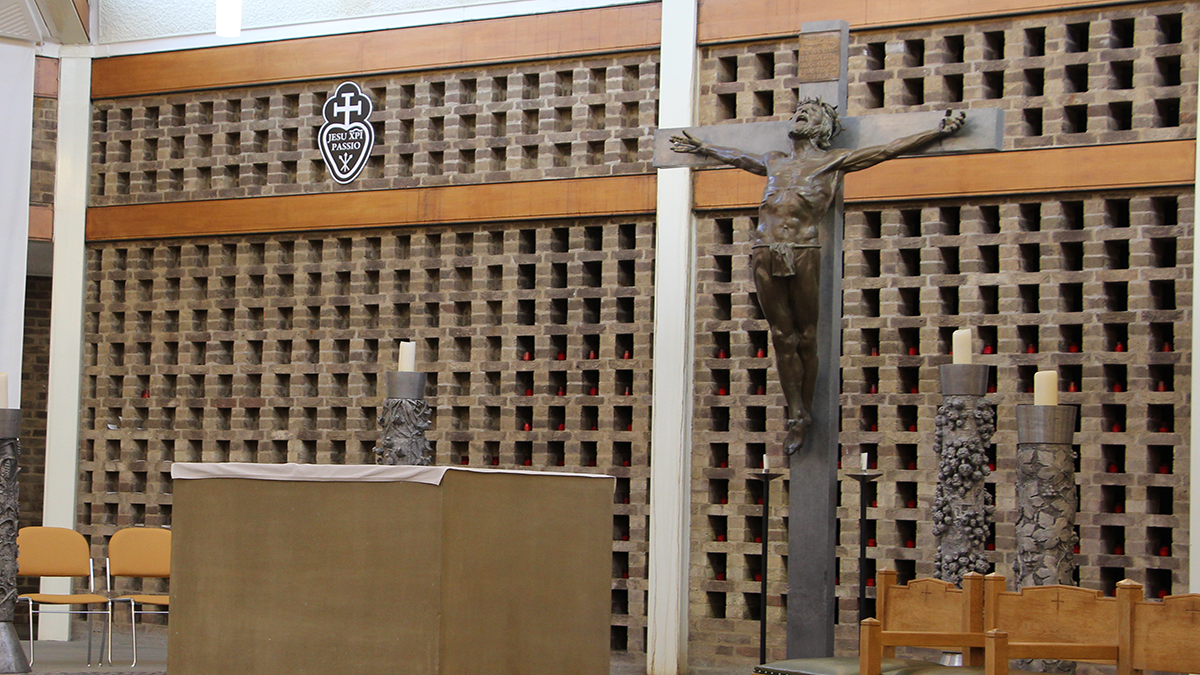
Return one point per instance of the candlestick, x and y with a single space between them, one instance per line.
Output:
961 345
1045 387
408 357
3 391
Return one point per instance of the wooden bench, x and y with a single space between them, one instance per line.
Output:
924 612
1048 622
1162 635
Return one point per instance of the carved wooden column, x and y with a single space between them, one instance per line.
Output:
1045 495
404 419
1046 505
962 508
12 657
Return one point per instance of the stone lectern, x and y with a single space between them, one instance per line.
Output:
294 569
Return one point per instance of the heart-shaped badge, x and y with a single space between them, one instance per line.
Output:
346 139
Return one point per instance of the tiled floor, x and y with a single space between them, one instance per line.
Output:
70 658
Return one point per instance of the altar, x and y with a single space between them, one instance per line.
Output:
295 569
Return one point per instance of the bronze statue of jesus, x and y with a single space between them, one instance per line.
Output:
786 255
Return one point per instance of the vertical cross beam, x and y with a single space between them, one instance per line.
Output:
812 512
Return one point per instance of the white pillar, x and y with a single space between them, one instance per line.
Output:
674 303
66 310
16 109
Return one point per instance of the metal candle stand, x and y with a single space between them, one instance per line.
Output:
405 417
962 508
12 656
863 478
766 479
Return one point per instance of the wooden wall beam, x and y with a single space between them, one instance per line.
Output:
538 200
1098 167
736 20
450 45
1104 167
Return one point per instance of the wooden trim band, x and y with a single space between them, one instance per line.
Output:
740 20
1098 167
536 200
1105 167
451 45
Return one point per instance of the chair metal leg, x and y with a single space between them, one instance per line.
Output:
89 640
105 635
133 629
32 635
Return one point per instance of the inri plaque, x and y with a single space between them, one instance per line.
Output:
819 57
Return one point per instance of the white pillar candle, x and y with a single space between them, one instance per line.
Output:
1045 387
961 345
766 462
3 391
408 357
864 461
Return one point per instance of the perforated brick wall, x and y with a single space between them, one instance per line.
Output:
1117 75
1049 281
1096 286
535 337
557 119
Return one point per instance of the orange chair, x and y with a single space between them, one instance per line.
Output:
60 552
1162 636
141 552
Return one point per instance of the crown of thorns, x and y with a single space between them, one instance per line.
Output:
829 110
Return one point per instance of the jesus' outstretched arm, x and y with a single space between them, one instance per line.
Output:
731 156
868 157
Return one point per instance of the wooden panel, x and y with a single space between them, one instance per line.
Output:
41 222
45 77
1100 167
456 204
612 29
731 20
1166 634
924 605
1048 615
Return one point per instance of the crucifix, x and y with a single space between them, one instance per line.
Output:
797 264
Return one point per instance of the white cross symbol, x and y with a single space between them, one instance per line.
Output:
347 109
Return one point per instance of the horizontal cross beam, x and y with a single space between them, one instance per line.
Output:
983 132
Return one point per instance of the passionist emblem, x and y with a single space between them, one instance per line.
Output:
346 138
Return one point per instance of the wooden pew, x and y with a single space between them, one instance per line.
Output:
1162 636
1049 622
924 613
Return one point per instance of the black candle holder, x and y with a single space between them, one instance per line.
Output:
863 479
766 479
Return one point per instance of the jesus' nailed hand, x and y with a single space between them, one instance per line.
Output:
786 255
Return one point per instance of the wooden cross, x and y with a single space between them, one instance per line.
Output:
822 66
